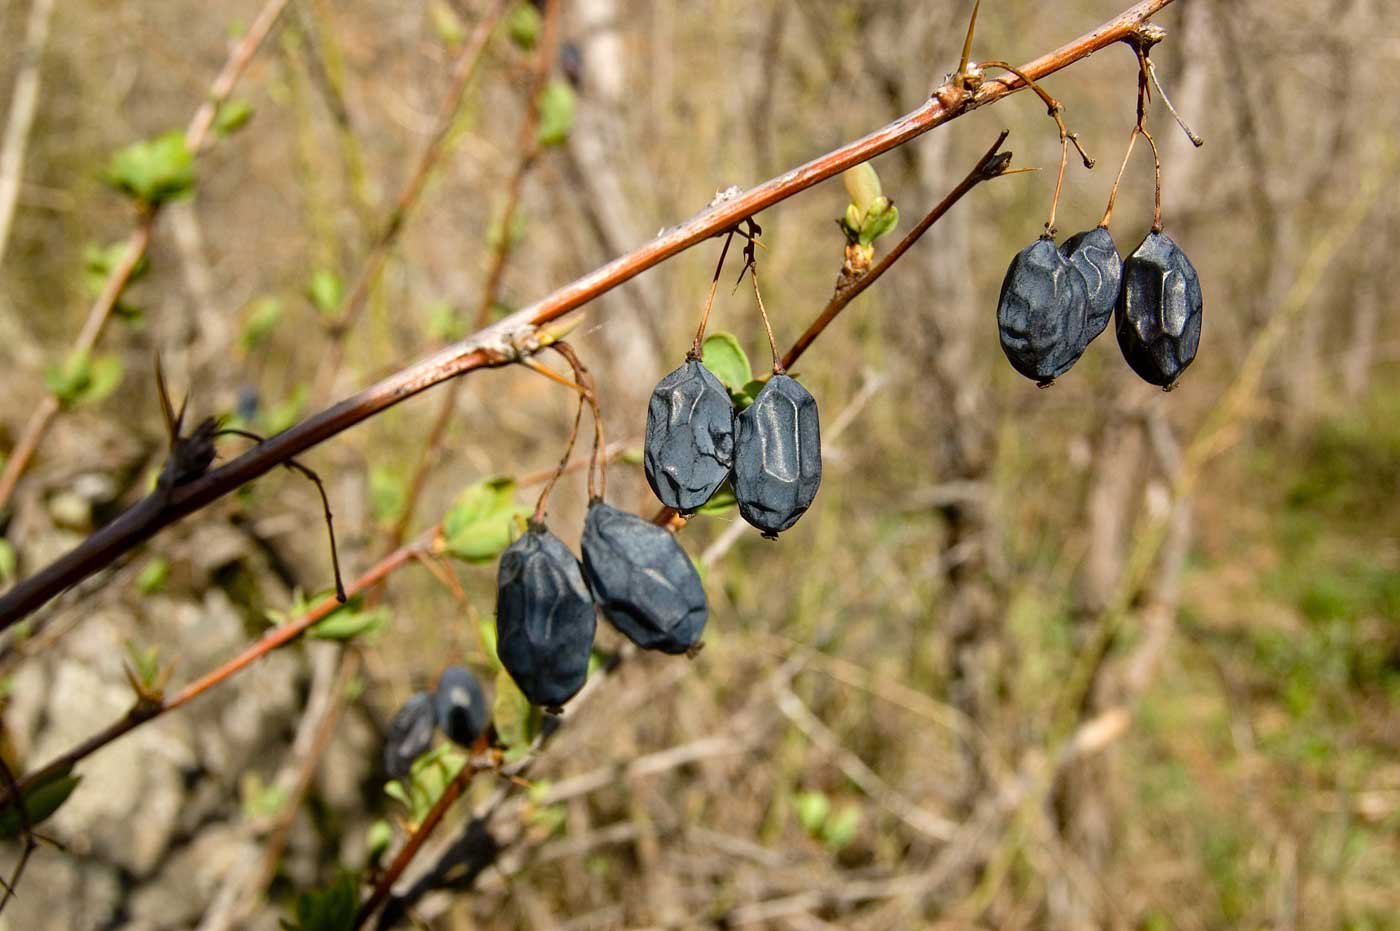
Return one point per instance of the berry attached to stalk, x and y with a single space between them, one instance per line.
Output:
1042 312
545 618
1095 256
689 448
1159 311
643 580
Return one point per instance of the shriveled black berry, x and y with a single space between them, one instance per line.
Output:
777 455
1095 256
643 580
689 449
545 618
1041 314
1159 310
410 734
462 712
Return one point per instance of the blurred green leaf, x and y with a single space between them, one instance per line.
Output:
377 839
524 25
487 629
720 502
812 809
838 830
40 801
478 526
881 218
145 662
259 321
445 324
233 115
155 170
153 576
446 23
325 291
517 721
330 909
632 456
556 113
427 780
283 414
726 359
388 492
260 800
9 560
98 262
350 621
84 379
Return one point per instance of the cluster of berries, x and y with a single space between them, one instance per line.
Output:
457 707
695 442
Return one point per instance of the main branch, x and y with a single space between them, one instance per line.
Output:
516 336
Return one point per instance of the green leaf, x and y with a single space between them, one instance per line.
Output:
812 809
840 829
517 721
524 25
261 319
881 218
556 105
487 629
350 621
325 291
723 356
863 186
377 839
9 561
283 414
478 527
154 171
720 502
98 262
84 379
388 491
749 393
426 780
446 23
145 661
632 456
445 325
40 802
233 115
153 576
260 800
330 909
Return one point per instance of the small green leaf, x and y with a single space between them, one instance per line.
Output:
145 661
153 576
71 379
446 23
863 186
882 217
350 621
154 171
260 800
98 262
478 527
104 375
840 829
325 291
330 909
445 324
749 393
9 561
517 721
40 802
556 105
283 414
388 492
259 321
724 357
233 115
377 839
812 809
487 629
720 502
632 456
524 25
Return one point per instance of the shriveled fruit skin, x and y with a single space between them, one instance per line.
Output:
643 580
410 734
689 449
1159 311
545 618
1094 255
462 712
1041 314
777 455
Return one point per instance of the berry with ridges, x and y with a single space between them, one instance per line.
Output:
689 448
545 618
777 455
1095 256
1159 310
1041 314
643 580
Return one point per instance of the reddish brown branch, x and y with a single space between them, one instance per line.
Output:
506 340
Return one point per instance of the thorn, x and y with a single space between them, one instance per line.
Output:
967 42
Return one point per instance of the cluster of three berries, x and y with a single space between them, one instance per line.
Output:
1055 301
